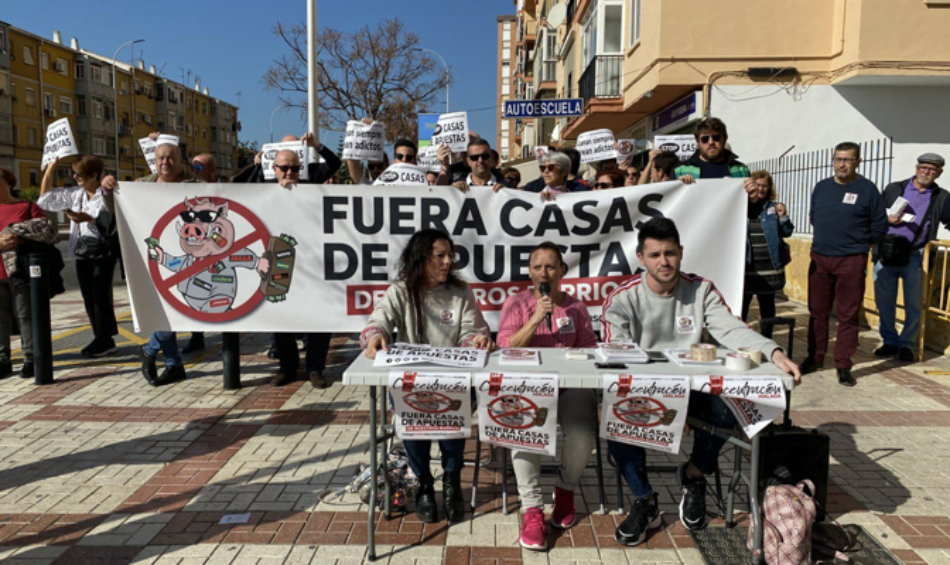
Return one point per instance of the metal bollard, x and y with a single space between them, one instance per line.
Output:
42 330
231 347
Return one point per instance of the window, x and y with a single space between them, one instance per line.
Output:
108 110
66 105
30 97
613 28
34 176
97 108
188 129
204 108
95 73
634 21
125 119
82 106
49 103
32 139
80 69
27 55
204 134
62 67
44 61
148 89
589 47
107 77
99 145
148 119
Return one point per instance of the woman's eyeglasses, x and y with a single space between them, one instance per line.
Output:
603 185
548 168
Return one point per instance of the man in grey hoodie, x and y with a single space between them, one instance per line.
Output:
664 308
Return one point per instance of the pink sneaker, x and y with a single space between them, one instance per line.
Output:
563 515
532 530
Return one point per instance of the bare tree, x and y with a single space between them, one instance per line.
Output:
372 73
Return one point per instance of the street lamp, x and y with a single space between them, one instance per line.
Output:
115 101
274 111
446 74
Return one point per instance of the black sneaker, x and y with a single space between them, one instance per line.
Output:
809 366
885 351
27 371
693 504
149 370
272 353
845 378
6 369
171 375
99 349
644 516
906 355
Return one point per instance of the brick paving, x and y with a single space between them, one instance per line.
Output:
101 468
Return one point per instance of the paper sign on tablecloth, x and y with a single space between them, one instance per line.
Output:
149 147
452 130
270 151
429 159
402 174
754 401
597 145
431 405
364 142
405 354
648 411
518 410
59 142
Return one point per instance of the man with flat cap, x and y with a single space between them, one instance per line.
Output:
927 206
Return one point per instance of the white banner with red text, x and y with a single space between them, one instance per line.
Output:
258 258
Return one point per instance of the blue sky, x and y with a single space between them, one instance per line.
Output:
228 43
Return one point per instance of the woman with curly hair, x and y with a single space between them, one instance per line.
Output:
429 304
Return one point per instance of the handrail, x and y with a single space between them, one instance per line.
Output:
942 310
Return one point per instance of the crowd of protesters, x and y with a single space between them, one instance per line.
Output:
850 215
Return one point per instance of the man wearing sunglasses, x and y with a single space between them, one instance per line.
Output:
318 173
479 159
205 166
711 160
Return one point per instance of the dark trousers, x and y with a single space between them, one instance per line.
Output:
632 459
95 284
833 279
766 308
317 347
419 454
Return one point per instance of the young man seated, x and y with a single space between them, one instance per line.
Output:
664 308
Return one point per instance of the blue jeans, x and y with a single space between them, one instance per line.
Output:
885 295
632 460
419 453
167 343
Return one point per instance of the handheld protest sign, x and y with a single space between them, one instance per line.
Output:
402 174
452 130
269 154
683 145
429 159
148 148
59 142
364 142
541 152
597 145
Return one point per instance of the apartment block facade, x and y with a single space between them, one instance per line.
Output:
44 80
506 144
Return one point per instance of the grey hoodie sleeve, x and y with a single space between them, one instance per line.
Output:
472 322
616 323
384 318
729 330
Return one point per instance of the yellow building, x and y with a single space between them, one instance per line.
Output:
44 80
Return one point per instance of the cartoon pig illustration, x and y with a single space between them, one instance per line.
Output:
206 231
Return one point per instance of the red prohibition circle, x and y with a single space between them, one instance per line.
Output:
634 402
527 405
417 399
260 233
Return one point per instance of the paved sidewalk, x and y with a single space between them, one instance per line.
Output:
101 468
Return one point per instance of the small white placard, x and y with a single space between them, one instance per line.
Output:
270 151
597 145
364 142
452 130
59 142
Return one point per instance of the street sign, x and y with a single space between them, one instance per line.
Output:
543 108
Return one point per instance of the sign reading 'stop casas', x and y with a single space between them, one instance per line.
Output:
597 145
683 145
59 142
452 130
269 154
402 174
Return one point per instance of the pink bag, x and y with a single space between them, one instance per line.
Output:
789 513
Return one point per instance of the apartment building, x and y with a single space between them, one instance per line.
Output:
505 142
789 78
43 80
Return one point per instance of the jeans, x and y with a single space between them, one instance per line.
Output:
632 459
419 453
577 414
885 295
95 284
167 343
317 346
15 302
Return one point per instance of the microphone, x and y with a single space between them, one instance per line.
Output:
545 290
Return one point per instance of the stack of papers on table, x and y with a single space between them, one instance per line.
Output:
515 356
683 357
621 353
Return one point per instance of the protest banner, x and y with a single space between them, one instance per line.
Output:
364 142
683 145
518 410
343 245
431 405
402 174
452 130
754 401
59 142
148 148
645 410
597 145
408 354
269 153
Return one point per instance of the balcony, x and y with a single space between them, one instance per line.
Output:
602 77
